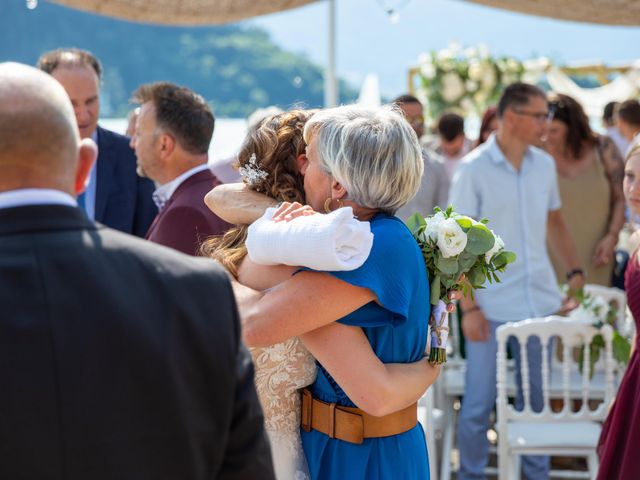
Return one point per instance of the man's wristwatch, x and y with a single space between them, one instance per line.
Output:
574 272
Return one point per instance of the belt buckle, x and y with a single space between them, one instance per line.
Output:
306 410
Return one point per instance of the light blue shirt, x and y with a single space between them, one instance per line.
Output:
517 204
90 190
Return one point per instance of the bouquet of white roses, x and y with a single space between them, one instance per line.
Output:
453 245
595 310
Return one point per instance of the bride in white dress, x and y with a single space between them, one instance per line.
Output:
270 160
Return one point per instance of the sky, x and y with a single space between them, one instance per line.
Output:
368 42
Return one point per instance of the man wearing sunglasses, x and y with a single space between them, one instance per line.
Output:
513 184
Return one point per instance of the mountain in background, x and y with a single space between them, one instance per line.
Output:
236 68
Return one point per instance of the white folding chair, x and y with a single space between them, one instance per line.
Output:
564 433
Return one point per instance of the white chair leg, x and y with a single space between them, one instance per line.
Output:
433 455
447 439
594 464
504 465
515 467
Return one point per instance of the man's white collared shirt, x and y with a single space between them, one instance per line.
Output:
164 192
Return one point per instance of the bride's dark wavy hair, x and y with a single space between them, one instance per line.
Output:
276 143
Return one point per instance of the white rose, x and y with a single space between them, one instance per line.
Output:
488 80
480 97
428 71
433 226
600 308
444 54
475 70
497 246
509 78
452 87
601 303
513 65
451 238
471 86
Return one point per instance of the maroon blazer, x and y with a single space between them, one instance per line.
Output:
185 221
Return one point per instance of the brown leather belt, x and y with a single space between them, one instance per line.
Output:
352 424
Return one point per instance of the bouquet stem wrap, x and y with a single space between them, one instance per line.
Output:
439 323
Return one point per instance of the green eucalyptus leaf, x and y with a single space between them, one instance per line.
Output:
435 290
466 260
479 240
476 277
465 223
415 221
621 348
447 265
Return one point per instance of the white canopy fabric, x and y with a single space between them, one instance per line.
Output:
609 12
202 12
183 12
623 87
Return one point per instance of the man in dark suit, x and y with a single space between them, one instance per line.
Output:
115 195
172 138
119 359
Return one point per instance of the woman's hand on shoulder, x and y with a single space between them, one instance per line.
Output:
287 211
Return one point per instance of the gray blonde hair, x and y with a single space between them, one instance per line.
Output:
373 153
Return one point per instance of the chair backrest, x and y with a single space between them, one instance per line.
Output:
572 334
618 298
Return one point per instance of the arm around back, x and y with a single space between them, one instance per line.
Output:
235 203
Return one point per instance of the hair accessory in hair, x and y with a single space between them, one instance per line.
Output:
251 172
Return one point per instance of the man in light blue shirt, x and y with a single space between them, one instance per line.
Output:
514 185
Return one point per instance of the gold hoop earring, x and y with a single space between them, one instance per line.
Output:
327 204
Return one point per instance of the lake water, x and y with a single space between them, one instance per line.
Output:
228 135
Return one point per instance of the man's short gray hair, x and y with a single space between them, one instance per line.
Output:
373 153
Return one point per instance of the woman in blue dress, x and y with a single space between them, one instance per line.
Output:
369 160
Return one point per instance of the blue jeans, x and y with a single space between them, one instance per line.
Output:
480 398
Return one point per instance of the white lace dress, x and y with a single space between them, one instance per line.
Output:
281 371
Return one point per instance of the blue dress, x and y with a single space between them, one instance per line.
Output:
397 331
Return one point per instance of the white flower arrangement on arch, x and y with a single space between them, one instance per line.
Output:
469 80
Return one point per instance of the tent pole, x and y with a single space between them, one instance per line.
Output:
330 81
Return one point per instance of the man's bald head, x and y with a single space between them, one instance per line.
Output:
39 140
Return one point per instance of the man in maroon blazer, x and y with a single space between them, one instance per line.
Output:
172 139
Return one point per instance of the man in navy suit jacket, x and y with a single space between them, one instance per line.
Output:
115 195
173 133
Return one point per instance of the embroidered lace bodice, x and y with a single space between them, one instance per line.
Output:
281 370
